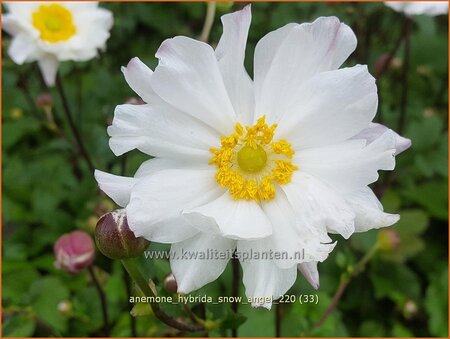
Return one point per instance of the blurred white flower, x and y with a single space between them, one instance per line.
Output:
269 165
51 32
419 7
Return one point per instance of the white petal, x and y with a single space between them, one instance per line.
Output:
168 231
419 7
160 131
310 272
138 76
349 165
118 188
188 78
294 237
49 67
319 206
289 56
196 269
374 131
152 166
330 107
162 196
369 211
262 278
10 24
236 219
23 49
285 235
230 53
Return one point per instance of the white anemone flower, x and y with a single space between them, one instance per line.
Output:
51 32
270 165
410 8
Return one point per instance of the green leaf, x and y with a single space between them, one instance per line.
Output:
432 196
436 304
233 320
387 279
14 131
141 309
19 326
45 295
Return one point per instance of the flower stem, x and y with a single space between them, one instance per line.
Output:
235 290
209 20
398 43
405 73
127 282
72 125
277 320
143 285
345 281
102 297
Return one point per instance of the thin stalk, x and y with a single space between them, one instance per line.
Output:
72 125
127 282
398 43
235 290
345 281
143 285
102 298
209 20
405 73
278 320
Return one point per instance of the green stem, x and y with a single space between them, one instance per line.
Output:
143 285
72 125
345 281
102 297
209 20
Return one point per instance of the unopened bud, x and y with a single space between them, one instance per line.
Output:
388 239
44 100
65 307
424 70
115 239
16 113
410 309
170 284
74 251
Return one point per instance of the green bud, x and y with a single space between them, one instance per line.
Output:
115 239
224 6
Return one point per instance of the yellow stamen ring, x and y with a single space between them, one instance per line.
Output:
54 22
249 163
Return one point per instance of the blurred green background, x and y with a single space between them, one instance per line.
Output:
48 189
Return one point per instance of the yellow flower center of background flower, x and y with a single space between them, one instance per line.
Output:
249 163
54 22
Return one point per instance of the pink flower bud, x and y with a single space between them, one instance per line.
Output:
74 251
44 100
115 239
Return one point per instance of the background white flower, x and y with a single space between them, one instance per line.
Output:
196 96
51 32
419 7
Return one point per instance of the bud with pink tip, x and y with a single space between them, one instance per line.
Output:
74 251
115 239
388 240
44 100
